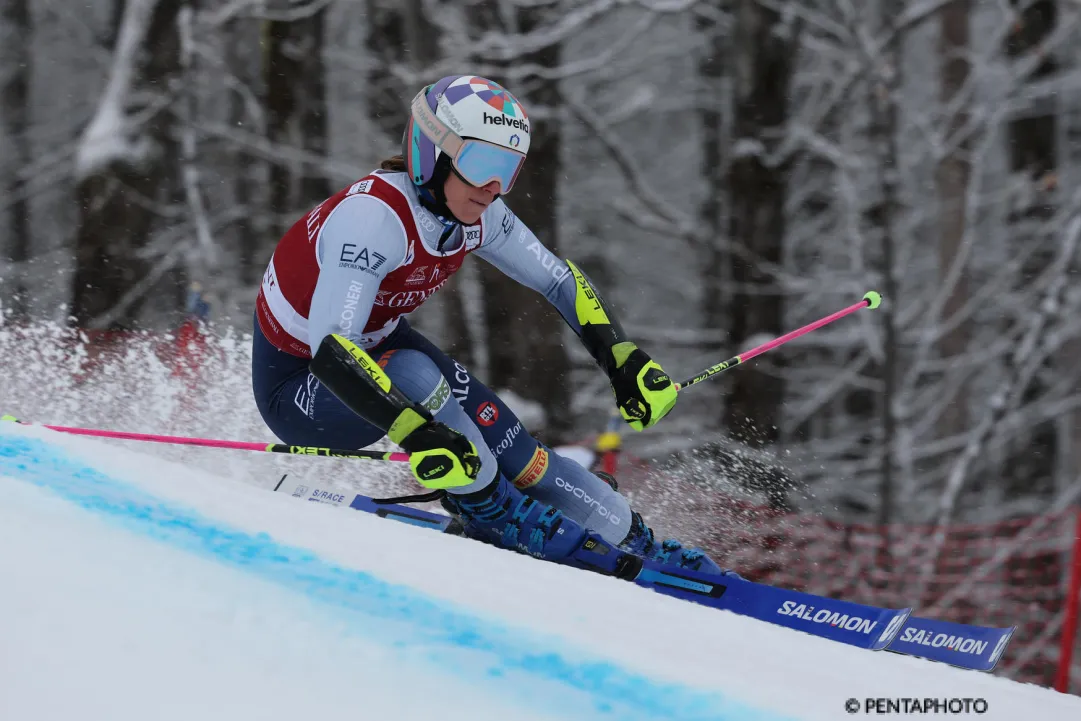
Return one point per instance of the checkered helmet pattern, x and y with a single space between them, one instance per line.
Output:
474 107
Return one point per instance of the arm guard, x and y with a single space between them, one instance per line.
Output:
439 456
358 381
602 335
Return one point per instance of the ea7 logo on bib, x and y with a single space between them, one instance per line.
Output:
360 259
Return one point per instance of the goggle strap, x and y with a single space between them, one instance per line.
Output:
435 129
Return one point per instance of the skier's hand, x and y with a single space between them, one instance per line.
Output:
440 456
644 392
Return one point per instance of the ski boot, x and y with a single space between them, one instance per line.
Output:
640 542
503 516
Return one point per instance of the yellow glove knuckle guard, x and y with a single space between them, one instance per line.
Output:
660 401
438 469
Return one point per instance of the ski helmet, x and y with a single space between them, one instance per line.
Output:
480 128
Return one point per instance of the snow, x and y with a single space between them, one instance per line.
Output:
135 588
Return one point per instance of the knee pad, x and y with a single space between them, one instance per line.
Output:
417 376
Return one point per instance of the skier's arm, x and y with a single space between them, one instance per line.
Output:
644 392
360 242
512 247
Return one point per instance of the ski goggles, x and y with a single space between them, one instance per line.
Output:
478 162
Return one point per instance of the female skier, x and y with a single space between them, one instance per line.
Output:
336 364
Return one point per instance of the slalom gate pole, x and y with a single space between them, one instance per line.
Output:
1069 624
212 443
871 299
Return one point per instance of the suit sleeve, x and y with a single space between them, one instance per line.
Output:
361 241
513 248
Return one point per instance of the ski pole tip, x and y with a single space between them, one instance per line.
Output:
873 299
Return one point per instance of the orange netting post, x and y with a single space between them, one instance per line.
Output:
1069 624
189 347
608 444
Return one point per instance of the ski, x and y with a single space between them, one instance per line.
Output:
977 648
854 624
973 647
394 511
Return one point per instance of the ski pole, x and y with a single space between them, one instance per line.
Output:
212 443
871 299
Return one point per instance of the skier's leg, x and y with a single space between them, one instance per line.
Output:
531 466
301 412
420 379
295 406
547 476
492 508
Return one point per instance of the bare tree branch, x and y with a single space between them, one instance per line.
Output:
1024 364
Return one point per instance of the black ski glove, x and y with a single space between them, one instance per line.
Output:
644 392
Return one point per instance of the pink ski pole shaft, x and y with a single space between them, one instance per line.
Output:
236 445
871 299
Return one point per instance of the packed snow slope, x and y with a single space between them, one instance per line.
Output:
136 588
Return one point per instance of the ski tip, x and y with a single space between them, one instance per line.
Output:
1000 648
892 628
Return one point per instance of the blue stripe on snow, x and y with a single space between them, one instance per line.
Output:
413 618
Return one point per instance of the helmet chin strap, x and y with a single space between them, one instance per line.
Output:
442 212
433 196
437 203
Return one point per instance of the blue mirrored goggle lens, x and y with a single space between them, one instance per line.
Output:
481 163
